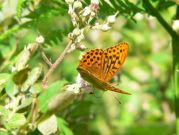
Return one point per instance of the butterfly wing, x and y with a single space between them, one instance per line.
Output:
91 62
107 86
112 60
98 66
97 82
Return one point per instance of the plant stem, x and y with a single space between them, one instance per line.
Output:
153 11
175 49
54 66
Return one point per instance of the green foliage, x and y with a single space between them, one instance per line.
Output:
147 73
63 127
48 95
125 7
10 119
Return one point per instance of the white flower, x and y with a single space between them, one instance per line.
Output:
75 88
70 35
40 39
112 18
70 10
82 47
87 11
95 2
93 14
77 5
76 32
69 1
139 16
105 27
175 25
80 37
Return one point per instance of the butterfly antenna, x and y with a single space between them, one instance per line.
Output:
117 99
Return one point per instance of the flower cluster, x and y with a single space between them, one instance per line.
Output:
81 19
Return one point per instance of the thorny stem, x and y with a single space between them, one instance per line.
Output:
55 64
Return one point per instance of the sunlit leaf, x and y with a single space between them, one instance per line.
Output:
49 93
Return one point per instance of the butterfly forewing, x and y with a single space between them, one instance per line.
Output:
112 60
91 62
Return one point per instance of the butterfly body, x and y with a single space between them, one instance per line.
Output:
99 66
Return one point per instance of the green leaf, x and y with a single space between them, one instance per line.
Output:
20 77
63 127
19 7
11 88
11 120
25 103
3 78
35 89
49 93
3 133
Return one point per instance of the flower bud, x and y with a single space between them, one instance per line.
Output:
93 14
95 2
82 47
111 19
40 39
76 32
69 1
139 16
77 5
70 35
87 11
75 88
175 25
105 27
80 37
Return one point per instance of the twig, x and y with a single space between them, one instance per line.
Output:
44 57
54 66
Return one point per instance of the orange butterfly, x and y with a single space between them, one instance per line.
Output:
99 66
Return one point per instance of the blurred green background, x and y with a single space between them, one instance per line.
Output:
146 73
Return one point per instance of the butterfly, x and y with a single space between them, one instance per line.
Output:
98 66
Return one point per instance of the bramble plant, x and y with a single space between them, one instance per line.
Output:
41 91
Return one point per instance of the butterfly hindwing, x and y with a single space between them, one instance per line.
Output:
99 83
